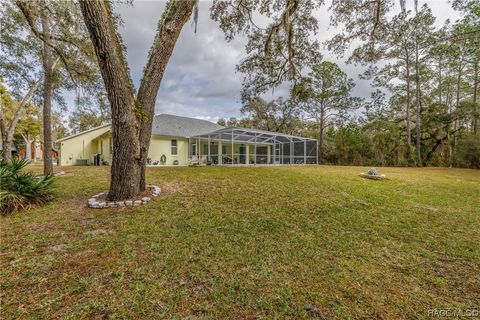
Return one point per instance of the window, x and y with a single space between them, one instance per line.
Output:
101 146
173 145
111 145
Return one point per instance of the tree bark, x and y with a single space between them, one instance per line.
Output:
409 133
320 138
475 89
47 95
457 102
7 152
125 171
417 104
440 80
176 15
34 154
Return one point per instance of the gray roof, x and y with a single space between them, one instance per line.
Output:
176 126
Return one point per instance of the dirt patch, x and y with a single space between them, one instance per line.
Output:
97 232
169 188
58 248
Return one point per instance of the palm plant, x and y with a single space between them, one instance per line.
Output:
20 189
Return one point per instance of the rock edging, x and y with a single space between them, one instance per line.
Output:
94 203
373 176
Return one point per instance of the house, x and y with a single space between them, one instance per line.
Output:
181 141
32 152
36 152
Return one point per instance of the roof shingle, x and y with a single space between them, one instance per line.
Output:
176 126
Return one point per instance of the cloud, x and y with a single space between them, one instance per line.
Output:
200 79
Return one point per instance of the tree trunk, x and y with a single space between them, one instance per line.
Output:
475 89
440 81
34 154
7 150
47 95
177 14
409 133
457 103
28 147
125 171
7 153
320 138
417 104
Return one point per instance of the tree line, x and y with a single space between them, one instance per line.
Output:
424 107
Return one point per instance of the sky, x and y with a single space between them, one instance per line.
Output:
200 80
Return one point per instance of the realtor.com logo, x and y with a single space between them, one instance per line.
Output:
454 312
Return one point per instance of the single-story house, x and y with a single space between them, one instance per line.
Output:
182 141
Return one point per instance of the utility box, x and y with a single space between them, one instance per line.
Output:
81 162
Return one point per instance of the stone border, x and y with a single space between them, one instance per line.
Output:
58 174
95 204
373 176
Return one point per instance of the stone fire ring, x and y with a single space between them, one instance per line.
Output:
95 204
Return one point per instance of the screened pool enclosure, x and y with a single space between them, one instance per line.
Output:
240 146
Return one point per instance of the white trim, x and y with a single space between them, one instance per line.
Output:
80 133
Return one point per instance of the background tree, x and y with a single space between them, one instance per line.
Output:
19 62
277 115
91 110
467 31
43 43
6 105
278 49
327 93
28 130
19 125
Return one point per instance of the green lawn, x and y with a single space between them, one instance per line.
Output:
249 243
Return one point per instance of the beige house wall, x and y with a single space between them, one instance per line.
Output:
161 145
80 147
86 145
105 148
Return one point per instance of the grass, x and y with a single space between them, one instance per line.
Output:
249 243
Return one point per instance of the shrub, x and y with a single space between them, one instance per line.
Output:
20 189
468 149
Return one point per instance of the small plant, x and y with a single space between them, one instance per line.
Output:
163 159
20 189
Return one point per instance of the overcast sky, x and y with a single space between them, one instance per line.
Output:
200 80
